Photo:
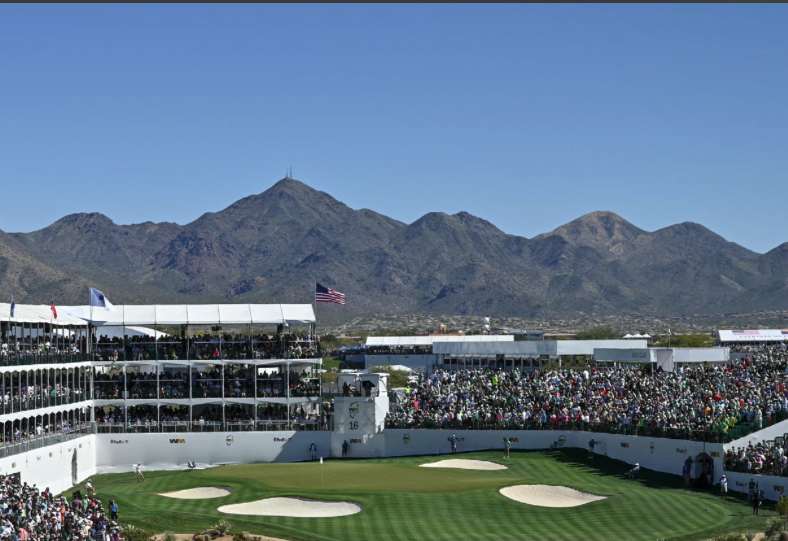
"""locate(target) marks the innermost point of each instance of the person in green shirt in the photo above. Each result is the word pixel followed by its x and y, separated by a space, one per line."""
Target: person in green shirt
pixel 507 446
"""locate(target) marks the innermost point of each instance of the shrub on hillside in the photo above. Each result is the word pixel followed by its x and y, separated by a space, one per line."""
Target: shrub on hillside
pixel 246 536
pixel 129 532
pixel 224 527
pixel 730 537
pixel 774 527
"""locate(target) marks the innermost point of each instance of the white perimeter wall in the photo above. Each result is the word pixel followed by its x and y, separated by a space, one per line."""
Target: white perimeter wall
pixel 657 454
pixel 53 466
pixel 117 453
pixel 770 485
pixel 106 453
pixel 411 361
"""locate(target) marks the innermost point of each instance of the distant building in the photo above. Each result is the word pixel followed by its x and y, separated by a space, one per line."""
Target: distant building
pixel 527 334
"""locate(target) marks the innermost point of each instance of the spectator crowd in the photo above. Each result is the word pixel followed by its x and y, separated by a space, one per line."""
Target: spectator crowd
pixel 718 403
pixel 26 513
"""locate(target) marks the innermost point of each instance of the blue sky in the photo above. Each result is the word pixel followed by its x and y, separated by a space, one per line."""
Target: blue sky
pixel 528 116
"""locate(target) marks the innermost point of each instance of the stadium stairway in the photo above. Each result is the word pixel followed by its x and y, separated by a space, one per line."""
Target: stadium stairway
pixel 770 433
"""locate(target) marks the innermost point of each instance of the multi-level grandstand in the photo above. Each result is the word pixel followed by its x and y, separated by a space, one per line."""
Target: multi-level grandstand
pixel 166 385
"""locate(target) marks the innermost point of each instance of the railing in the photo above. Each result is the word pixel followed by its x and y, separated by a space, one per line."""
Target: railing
pixel 697 434
pixel 21 359
pixel 207 426
pixel 36 442
pixel 34 402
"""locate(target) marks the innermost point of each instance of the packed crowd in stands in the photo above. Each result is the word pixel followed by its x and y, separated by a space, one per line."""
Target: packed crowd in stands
pixel 238 383
pixel 45 346
pixel 717 403
pixel 764 458
pixel 206 347
pixel 26 431
pixel 208 417
pixel 38 396
pixel 27 513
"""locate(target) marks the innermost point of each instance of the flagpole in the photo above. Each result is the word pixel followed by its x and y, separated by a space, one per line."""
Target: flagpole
pixel 314 304
pixel 89 345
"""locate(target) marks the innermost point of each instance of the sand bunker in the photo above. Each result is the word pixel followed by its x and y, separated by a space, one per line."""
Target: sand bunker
pixel 464 464
pixel 549 496
pixel 292 507
pixel 200 493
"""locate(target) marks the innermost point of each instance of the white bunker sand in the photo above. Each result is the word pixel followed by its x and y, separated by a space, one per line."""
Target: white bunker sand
pixel 549 496
pixel 292 507
pixel 200 493
pixel 465 464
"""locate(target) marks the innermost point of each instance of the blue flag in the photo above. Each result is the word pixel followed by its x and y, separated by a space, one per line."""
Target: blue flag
pixel 13 305
pixel 97 298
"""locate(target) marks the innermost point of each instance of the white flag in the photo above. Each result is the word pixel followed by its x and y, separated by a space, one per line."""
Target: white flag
pixel 97 298
pixel 321 459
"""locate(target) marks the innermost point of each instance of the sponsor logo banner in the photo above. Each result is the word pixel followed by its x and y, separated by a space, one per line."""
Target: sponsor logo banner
pixel 281 440
pixel 356 440
pixel 680 450
pixel 625 444
pixel 230 439
pixel 406 438
pixel 353 409
pixel 117 442
pixel 177 440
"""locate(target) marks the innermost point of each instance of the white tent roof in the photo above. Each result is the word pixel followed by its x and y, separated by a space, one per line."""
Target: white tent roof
pixel 37 313
pixel 195 314
pixel 545 347
pixel 130 330
pixel 394 341
pixel 627 336
pixel 754 335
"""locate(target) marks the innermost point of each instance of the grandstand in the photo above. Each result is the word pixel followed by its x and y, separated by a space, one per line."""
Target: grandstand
pixel 168 385
pixel 414 352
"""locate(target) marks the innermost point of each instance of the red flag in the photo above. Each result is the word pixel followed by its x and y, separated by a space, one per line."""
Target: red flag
pixel 54 312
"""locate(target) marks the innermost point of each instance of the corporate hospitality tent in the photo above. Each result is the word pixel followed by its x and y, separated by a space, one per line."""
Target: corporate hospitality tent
pixel 753 335
pixel 195 314
pixel 38 314
pixel 666 358
pixel 411 341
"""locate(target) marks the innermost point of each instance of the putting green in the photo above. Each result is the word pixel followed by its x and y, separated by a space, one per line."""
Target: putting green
pixel 401 501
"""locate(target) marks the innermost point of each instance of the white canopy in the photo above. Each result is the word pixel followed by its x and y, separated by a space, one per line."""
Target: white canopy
pixel 118 332
pixel 754 335
pixel 36 313
pixel 395 341
pixel 195 314
pixel 545 347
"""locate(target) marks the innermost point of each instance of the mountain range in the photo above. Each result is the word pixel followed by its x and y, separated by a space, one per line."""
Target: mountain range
pixel 272 247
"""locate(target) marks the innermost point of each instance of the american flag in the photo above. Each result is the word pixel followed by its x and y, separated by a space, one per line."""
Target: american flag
pixel 324 294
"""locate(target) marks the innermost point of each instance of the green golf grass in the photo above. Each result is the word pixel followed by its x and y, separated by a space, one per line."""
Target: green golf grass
pixel 403 502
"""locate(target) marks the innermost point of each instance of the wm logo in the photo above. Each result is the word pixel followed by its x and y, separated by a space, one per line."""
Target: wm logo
pixel 356 441
pixel 177 441
pixel 624 444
